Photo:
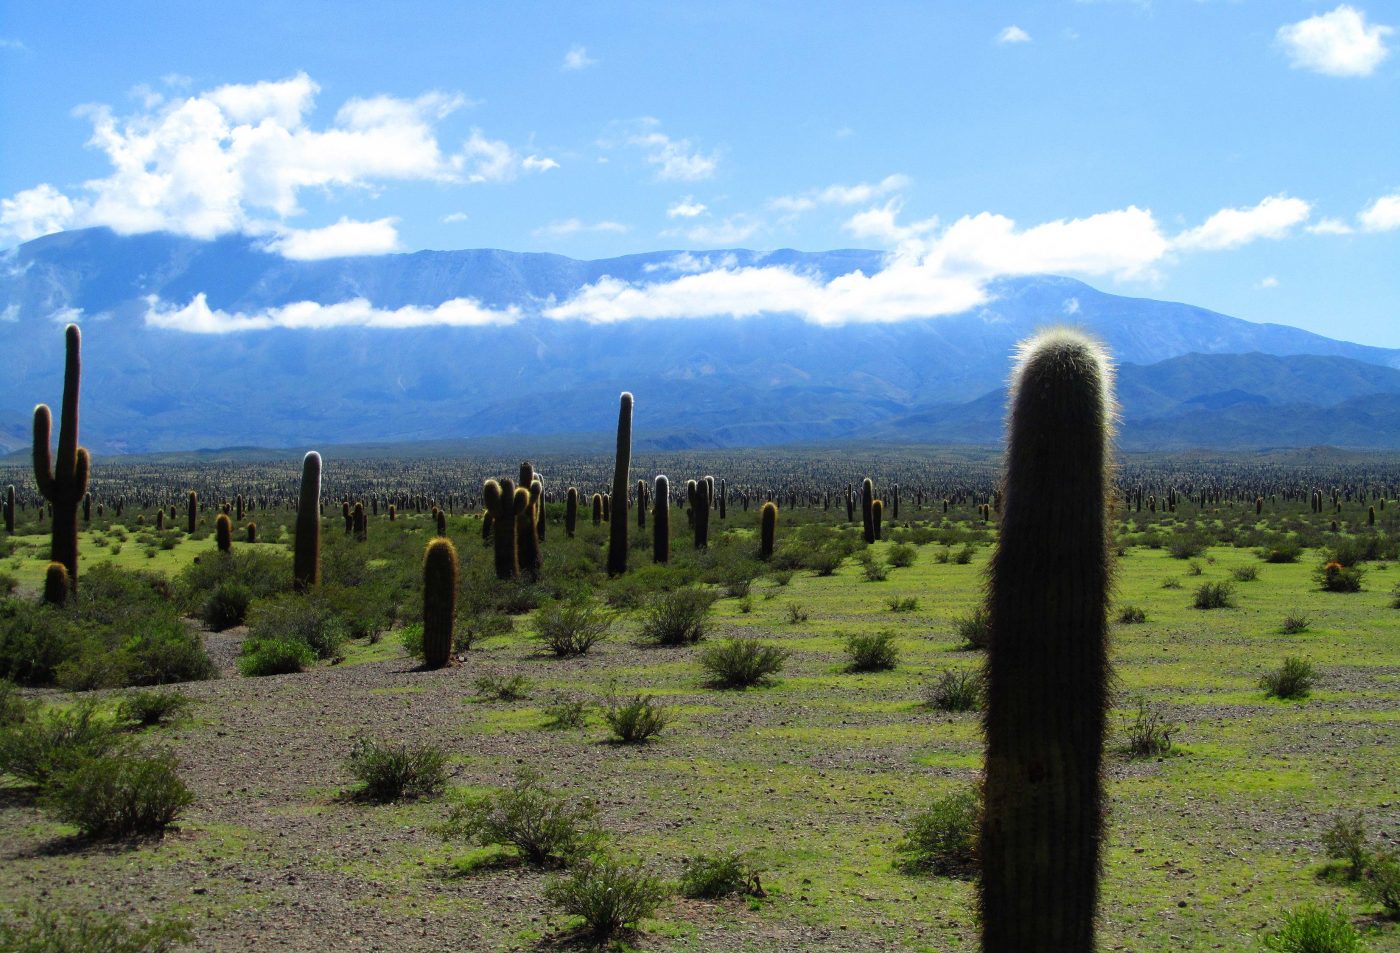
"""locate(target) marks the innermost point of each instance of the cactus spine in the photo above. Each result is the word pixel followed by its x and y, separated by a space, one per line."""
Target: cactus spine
pixel 1047 665
pixel 439 601
pixel 622 463
pixel 63 481
pixel 571 511
pixel 306 553
pixel 661 521
pixel 223 533
pixel 768 529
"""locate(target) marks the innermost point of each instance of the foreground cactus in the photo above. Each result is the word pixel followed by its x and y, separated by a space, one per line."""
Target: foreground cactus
pixel 661 521
pixel 571 511
pixel 56 584
pixel 622 462
pixel 439 602
pixel 63 481
pixel 867 503
pixel 223 533
pixel 527 540
pixel 1047 663
pixel 698 493
pixel 504 502
pixel 768 529
pixel 306 553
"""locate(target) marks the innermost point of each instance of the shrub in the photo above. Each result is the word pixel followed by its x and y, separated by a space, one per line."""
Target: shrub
pixel 741 663
pixel 906 604
pixel 797 613
pixel 964 555
pixel 872 652
pixel 1150 734
pixel 227 606
pixel 45 930
pixel 543 825
pixel 956 689
pixel 1346 840
pixel 1336 577
pixel 1132 615
pixel 713 876
pixel 607 894
pixel 901 555
pixel 1382 882
pixel 392 771
pixel 115 796
pixel 1313 929
pixel 636 719
pixel 974 629
pixel 505 688
pixel 1283 551
pixel 566 713
pixel 1171 583
pixel 1193 568
pixel 1245 573
pixel 274 656
pixel 47 745
pixel 304 618
pixel 781 577
pixel 1185 546
pixel 143 709
pixel 942 839
pixel 1293 679
pixel 824 561
pixel 1295 622
pixel 571 627
pixel 875 571
pixel 679 617
pixel 15 709
pixel 1214 595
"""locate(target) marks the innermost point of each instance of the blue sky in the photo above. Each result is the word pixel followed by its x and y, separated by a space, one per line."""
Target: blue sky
pixel 1242 156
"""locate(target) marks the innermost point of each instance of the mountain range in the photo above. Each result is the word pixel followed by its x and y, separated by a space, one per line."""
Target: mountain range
pixel 1188 377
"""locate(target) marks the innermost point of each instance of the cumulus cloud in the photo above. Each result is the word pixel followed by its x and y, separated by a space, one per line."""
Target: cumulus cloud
pixel 686 208
pixel 454 217
pixel 839 194
pixel 1268 281
pixel 1274 217
pixel 687 263
pixel 577 58
pixel 731 231
pixel 1382 215
pixel 1329 226
pixel 1339 43
pixel 346 237
pixel 1013 34
pixel 198 318
pixel 573 226
pixel 34 212
pixel 226 159
pixel 676 160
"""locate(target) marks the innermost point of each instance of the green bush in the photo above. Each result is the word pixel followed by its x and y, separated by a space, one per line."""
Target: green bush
pixel 1214 595
pixel 1294 623
pixel 679 617
pixel 43 929
pixel 1346 840
pixel 636 719
pixel 975 629
pixel 1381 884
pixel 143 709
pixel 123 795
pixel 15 709
pixel 261 571
pixel 1150 734
pixel 1281 551
pixel 227 606
pixel 713 876
pixel 904 604
pixel 942 839
pixel 956 690
pixel 901 555
pixel 1337 577
pixel 874 652
pixel 1293 679
pixel 571 627
pixel 392 771
pixel 741 663
pixel 607 894
pixel 544 826
pixel 307 619
pixel 1245 573
pixel 1314 929
pixel 797 613
pixel 505 688
pixel 55 741
pixel 566 713
pixel 1132 615
pixel 274 656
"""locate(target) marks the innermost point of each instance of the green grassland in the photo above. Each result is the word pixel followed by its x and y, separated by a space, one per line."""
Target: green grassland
pixel 813 777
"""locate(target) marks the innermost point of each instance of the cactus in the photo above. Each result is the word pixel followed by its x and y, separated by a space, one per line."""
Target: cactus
pixel 361 521
pixel 622 463
pixel 768 529
pixel 698 492
pixel 877 514
pixel 63 481
pixel 661 521
pixel 252 532
pixel 441 523
pixel 223 533
pixel 641 504
pixel 238 507
pixel 1047 666
pixel 439 602
pixel 504 503
pixel 597 509
pixel 607 507
pixel 192 512
pixel 571 511
pixel 10 509
pixel 527 542
pixel 306 553
pixel 160 520
pixel 867 500
pixel 723 499
pixel 57 585
pixel 393 513
pixel 540 521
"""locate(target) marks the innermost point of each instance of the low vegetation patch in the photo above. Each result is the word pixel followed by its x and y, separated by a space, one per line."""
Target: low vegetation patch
pixel 119 795
pixel 714 876
pixel 942 838
pixel 145 708
pixel 1314 929
pixel 635 719
pixel 572 627
pixel 679 617
pixel 956 689
pixel 544 826
pixel 42 929
pixel 394 771
pixel 873 652
pixel 1293 679
pixel 608 895
pixel 742 663
pixel 1214 595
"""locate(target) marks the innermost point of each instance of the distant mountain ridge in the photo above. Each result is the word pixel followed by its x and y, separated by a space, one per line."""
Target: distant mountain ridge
pixel 1189 376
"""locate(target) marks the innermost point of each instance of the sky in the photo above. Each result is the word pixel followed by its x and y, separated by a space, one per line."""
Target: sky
pixel 1241 156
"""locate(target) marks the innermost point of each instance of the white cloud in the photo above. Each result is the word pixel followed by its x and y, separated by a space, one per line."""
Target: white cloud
pixel 198 318
pixel 687 263
pixel 226 159
pixel 34 212
pixel 9 43
pixel 686 208
pixel 573 226
pixel 1340 43
pixel 453 217
pixel 1233 227
pixel 577 58
pixel 881 223
pixel 731 231
pixel 1268 281
pixel 676 159
pixel 346 237
pixel 839 195
pixel 1329 226
pixel 1013 34
pixel 1382 215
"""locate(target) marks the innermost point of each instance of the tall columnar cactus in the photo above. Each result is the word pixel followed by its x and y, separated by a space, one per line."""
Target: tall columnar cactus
pixel 192 512
pixel 607 507
pixel 10 509
pixel 238 507
pixel 527 541
pixel 1047 666
pixel 252 532
pixel 850 504
pixel 597 509
pixel 504 502
pixel 867 499
pixel 699 493
pixel 723 499
pixel 768 529
pixel 63 480
pixel 622 463
pixel 571 511
pixel 440 522
pixel 439 601
pixel 540 520
pixel 223 533
pixel 641 504
pixel 393 512
pixel 160 520
pixel 877 515
pixel 57 585
pixel 361 521
pixel 894 502
pixel 306 552
pixel 661 521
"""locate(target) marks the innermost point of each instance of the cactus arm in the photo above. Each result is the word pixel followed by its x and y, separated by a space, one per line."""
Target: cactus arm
pixel 43 463
pixel 80 472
